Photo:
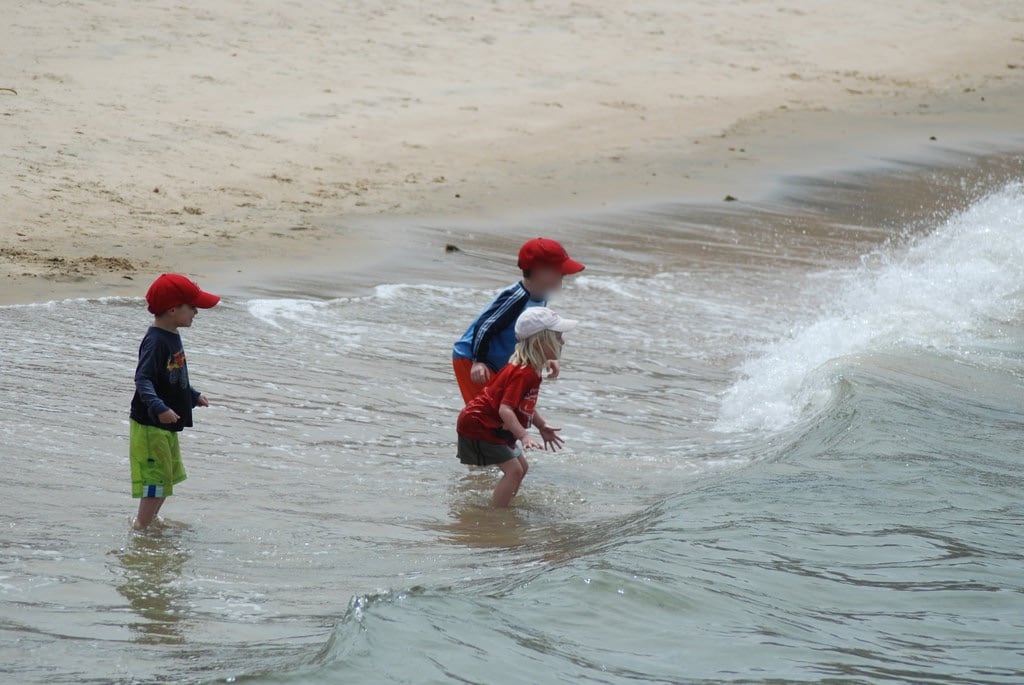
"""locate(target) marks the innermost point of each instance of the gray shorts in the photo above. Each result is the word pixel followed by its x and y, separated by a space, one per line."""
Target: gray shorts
pixel 481 453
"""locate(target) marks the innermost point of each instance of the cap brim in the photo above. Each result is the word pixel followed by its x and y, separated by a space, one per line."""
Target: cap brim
pixel 564 325
pixel 205 300
pixel 571 266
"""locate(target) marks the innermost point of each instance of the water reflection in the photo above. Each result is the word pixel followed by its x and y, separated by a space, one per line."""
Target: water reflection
pixel 151 568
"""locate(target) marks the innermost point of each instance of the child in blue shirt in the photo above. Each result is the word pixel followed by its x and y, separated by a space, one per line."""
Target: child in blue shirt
pixel 485 347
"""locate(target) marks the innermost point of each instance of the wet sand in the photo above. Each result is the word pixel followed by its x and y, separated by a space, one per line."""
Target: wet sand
pixel 251 139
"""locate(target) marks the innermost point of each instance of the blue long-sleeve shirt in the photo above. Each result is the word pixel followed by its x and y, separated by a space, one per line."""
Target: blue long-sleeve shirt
pixel 161 381
pixel 492 337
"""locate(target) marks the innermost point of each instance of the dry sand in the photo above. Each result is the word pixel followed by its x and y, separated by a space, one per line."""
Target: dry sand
pixel 157 136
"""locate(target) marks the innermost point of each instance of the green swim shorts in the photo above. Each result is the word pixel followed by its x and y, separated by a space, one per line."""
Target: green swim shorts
pixel 156 461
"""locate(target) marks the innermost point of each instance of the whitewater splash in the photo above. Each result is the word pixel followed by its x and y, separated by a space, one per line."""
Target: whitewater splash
pixel 942 291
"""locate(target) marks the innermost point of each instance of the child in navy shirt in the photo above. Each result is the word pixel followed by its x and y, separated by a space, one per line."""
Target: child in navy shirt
pixel 164 397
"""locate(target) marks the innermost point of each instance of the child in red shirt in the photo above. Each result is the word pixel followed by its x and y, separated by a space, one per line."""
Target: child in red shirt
pixel 503 412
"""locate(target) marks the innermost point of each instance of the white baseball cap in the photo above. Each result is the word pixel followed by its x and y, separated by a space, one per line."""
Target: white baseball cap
pixel 533 320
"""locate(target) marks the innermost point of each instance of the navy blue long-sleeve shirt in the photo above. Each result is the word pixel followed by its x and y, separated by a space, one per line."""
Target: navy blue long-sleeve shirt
pixel 161 381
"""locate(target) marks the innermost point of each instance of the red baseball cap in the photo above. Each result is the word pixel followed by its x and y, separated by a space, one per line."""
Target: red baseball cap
pixel 547 252
pixel 173 290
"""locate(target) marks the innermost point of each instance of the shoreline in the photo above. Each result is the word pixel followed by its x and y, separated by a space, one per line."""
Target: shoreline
pixel 197 183
pixel 360 247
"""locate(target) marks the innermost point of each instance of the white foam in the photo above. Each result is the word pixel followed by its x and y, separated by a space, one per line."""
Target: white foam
pixel 940 291
pixel 616 286
pixel 392 291
pixel 272 311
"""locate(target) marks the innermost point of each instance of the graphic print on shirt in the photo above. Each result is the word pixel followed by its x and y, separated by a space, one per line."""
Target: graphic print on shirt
pixel 176 369
pixel 527 406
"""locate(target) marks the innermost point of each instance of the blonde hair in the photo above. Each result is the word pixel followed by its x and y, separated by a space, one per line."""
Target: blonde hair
pixel 530 352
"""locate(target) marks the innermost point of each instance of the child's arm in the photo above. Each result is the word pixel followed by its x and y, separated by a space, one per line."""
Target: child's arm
pixel 512 425
pixel 548 434
pixel 144 375
pixel 500 315
pixel 198 398
pixel 156 406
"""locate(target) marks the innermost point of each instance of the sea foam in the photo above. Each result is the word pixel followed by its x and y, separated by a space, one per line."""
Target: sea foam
pixel 939 291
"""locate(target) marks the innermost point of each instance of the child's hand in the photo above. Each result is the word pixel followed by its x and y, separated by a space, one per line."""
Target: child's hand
pixel 202 401
pixel 551 438
pixel 169 416
pixel 530 444
pixel 553 368
pixel 480 373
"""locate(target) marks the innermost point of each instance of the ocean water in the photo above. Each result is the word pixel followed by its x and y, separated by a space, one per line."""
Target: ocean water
pixel 793 440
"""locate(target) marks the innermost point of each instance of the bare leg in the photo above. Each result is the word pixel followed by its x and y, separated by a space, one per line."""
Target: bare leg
pixel 509 483
pixel 526 467
pixel 149 507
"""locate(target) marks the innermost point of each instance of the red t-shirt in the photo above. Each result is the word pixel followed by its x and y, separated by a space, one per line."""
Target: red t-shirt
pixel 516 386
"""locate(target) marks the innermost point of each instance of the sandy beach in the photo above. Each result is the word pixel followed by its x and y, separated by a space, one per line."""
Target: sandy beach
pixel 220 141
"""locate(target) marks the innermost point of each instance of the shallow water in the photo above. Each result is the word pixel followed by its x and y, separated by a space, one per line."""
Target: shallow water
pixel 792 431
